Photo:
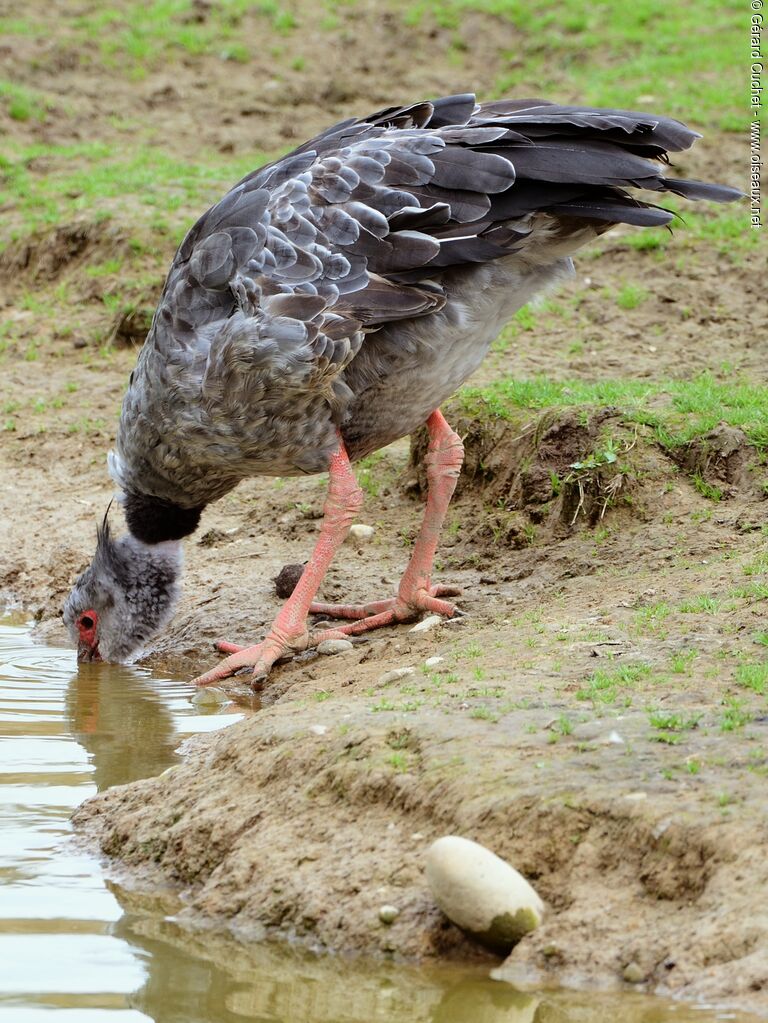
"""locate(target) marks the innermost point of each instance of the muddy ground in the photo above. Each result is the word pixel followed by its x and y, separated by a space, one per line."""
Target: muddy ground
pixel 599 716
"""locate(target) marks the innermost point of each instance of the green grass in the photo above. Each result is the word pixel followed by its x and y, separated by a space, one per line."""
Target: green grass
pixel 102 181
pixel 135 37
pixel 631 296
pixel 669 721
pixel 734 716
pixel 24 104
pixel 644 55
pixel 753 675
pixel 703 604
pixel 604 686
pixel 675 410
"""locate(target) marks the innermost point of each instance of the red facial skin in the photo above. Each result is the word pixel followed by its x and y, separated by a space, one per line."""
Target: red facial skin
pixel 88 644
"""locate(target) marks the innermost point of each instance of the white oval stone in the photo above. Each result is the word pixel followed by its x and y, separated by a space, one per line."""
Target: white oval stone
pixel 432 662
pixel 360 534
pixel 334 646
pixel 388 914
pixel 481 893
pixel 430 622
pixel 395 674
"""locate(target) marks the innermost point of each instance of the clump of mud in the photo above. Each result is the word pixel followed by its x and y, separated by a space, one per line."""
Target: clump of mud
pixel 541 478
pixel 48 253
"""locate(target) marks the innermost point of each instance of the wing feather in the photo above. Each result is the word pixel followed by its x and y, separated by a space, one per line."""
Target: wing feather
pixel 354 228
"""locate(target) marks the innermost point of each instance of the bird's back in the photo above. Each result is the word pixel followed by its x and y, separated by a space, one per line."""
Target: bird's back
pixel 356 282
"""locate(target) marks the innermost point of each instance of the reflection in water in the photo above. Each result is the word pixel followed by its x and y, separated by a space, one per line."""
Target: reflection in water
pixel 118 718
pixel 75 949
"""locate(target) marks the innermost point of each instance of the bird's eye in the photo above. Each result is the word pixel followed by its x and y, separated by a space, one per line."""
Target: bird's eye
pixel 87 622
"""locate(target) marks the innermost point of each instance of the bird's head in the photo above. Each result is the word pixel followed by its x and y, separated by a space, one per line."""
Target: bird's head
pixel 124 597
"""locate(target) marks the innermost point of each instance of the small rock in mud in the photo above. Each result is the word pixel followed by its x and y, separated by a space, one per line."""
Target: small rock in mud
pixel 360 534
pixel 286 579
pixel 481 893
pixel 394 675
pixel 633 974
pixel 334 646
pixel 388 914
pixel 430 622
pixel 432 662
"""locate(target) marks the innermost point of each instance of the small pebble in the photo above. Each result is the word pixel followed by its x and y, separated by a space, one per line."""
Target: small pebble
pixel 432 662
pixel 360 534
pixel 388 914
pixel 613 738
pixel 334 646
pixel 633 974
pixel 394 675
pixel 209 697
pixel 318 729
pixel 427 623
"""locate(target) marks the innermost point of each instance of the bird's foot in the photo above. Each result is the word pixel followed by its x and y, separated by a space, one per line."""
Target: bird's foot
pixel 260 657
pixel 402 608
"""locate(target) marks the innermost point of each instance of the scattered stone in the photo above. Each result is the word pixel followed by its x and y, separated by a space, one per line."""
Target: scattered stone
pixel 209 697
pixel 636 796
pixel 335 646
pixel 614 739
pixel 552 951
pixel 394 675
pixel 427 623
pixel 388 914
pixel 213 538
pixel 286 579
pixel 633 974
pixel 318 729
pixel 432 662
pixel 360 534
pixel 481 893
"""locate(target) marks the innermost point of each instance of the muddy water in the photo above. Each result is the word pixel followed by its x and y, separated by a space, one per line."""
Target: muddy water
pixel 77 948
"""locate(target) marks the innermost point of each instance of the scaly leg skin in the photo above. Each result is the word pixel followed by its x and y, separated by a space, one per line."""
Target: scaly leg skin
pixel 415 593
pixel 288 634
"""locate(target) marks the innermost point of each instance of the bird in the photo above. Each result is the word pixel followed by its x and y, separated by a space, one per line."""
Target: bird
pixel 327 306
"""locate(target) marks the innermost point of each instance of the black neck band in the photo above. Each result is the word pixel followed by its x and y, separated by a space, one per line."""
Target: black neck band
pixel 153 520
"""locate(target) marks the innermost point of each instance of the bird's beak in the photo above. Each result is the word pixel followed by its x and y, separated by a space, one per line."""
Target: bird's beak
pixel 85 652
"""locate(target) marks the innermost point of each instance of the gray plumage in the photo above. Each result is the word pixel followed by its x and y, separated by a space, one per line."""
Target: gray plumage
pixel 354 284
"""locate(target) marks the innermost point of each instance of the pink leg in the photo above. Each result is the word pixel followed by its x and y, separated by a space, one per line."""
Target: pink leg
pixel 289 630
pixel 416 593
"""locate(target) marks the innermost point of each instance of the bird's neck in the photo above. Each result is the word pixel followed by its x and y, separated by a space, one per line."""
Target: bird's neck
pixel 153 521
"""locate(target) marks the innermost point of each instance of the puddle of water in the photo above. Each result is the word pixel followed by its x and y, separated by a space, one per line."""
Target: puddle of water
pixel 76 948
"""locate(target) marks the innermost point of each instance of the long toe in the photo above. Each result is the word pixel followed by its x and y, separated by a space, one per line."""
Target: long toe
pixel 260 657
pixel 387 612
pixel 242 657
pixel 352 611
